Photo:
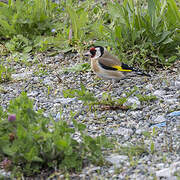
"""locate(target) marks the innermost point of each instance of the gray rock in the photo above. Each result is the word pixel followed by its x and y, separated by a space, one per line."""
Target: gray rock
pixel 177 84
pixel 4 174
pixel 64 100
pixel 160 165
pixel 159 119
pixel 33 93
pixel 171 101
pixel 47 81
pixel 36 79
pixel 168 172
pixel 159 93
pixel 149 87
pixel 116 159
pixel 22 76
pixel 93 169
pixel 133 101
pixel 58 116
pixel 123 131
pixel 173 178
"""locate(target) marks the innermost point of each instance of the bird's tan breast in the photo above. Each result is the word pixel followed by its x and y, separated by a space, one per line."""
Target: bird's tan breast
pixel 94 66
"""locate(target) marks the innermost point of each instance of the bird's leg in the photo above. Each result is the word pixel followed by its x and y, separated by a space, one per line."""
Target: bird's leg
pixel 109 86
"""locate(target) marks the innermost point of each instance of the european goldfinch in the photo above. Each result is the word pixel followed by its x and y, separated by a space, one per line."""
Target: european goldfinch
pixel 109 67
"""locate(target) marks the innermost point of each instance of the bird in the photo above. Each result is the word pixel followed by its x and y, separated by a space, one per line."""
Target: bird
pixel 109 67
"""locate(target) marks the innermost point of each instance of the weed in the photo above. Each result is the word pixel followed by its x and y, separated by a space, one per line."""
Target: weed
pixel 32 142
pixel 146 97
pixel 82 94
pixel 145 34
pixel 84 20
pixel 5 73
pixel 150 136
pixel 24 23
pixel 19 43
pixel 133 150
pixel 78 68
pixel 41 70
pixel 106 102
pixel 26 17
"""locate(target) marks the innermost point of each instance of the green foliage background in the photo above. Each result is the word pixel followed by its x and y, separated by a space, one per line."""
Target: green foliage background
pixel 145 33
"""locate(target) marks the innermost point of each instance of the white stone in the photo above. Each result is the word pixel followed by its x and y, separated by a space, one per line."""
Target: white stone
pixel 159 119
pixel 139 131
pixel 64 100
pixel 58 116
pixel 116 159
pixel 133 100
pixel 123 131
pixel 171 101
pixel 33 93
pixel 177 84
pixel 149 87
pixel 168 172
pixel 21 75
pixel 160 165
pixel 159 93
pixel 47 81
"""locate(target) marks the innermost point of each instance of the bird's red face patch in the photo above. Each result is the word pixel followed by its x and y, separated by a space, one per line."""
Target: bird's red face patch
pixel 92 49
pixel 93 52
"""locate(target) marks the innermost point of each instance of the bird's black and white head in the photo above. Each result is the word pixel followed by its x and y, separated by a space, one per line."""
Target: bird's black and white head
pixel 95 52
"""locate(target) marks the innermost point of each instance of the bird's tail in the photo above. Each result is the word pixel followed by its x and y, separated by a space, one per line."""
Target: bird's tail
pixel 136 71
pixel 139 72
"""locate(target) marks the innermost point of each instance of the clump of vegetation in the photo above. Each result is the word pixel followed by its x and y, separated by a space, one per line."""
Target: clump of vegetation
pixel 146 98
pixel 146 34
pixel 82 94
pixel 107 101
pixel 142 33
pixel 5 73
pixel 78 68
pixel 27 18
pixel 30 142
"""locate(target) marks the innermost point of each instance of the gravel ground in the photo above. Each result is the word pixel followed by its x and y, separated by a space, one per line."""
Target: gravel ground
pixel 128 127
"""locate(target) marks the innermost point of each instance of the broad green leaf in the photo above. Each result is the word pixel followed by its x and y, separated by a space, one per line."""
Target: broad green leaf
pixel 8 150
pixel 74 20
pixel 27 49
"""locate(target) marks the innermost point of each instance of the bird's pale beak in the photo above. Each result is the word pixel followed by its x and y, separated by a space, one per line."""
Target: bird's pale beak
pixel 87 54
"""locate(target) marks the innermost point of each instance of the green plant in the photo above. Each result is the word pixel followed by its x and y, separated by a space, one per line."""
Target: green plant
pixel 19 43
pixel 150 136
pixel 144 33
pixel 26 17
pixel 84 22
pixel 107 100
pixel 5 73
pixel 133 150
pixel 41 70
pixel 32 142
pixel 146 97
pixel 82 94
pixel 78 68
pixel 24 23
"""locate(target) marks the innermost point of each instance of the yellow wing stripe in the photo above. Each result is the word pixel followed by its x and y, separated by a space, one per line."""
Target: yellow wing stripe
pixel 119 68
